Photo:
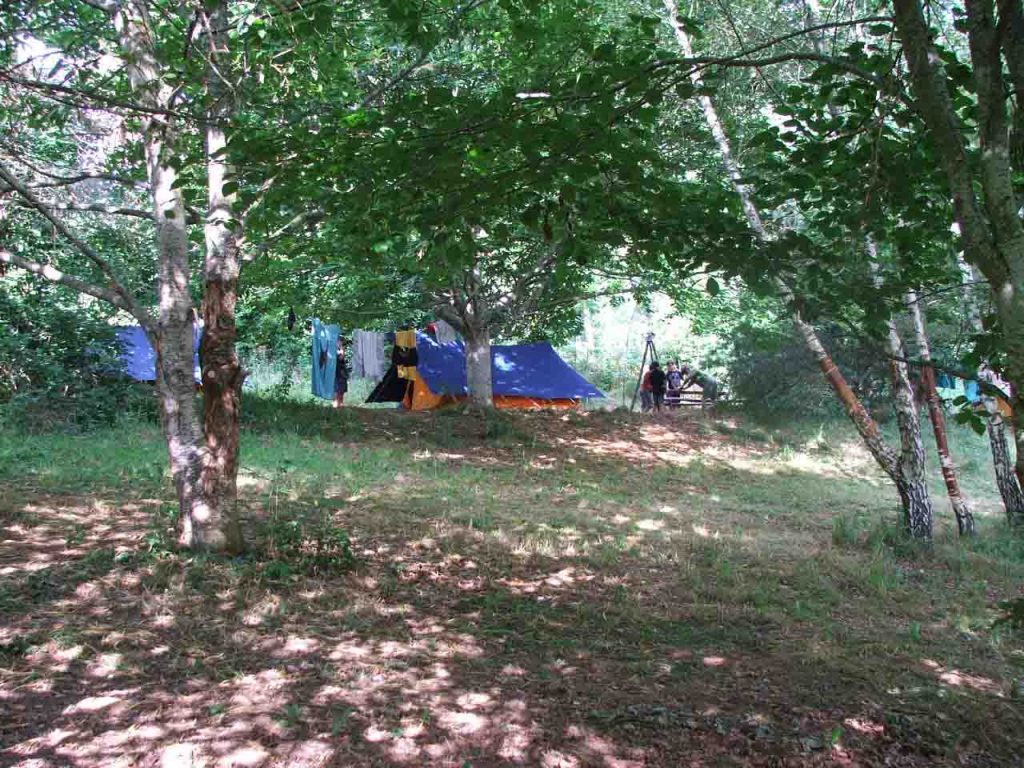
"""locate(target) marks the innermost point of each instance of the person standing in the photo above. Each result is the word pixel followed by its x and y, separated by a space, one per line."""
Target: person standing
pixel 341 372
pixel 673 385
pixel 646 396
pixel 658 382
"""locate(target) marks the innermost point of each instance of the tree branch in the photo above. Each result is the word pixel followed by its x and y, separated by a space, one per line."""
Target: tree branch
pixel 1011 32
pixel 127 300
pixel 54 275
pixel 305 217
pixel 66 181
pixel 936 107
pixel 816 28
pixel 91 99
pixel 444 309
pixel 112 210
pixel 424 55
pixel 16 155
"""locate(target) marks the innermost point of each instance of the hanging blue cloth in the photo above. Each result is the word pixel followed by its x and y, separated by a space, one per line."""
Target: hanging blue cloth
pixel 971 390
pixel 325 358
pixel 945 381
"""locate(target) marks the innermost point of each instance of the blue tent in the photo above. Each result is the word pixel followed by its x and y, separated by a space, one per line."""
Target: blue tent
pixel 517 370
pixel 138 358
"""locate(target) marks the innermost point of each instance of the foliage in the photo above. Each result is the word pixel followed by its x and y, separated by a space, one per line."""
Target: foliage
pixel 293 542
pixel 772 375
pixel 58 361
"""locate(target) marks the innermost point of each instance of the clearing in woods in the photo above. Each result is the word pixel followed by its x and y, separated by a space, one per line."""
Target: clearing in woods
pixel 535 589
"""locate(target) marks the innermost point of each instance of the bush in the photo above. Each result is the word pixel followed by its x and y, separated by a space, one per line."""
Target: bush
pixel 79 409
pixel 772 373
pixel 56 360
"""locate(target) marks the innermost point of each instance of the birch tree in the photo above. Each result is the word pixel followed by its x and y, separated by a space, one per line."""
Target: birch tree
pixel 905 469
pixel 161 112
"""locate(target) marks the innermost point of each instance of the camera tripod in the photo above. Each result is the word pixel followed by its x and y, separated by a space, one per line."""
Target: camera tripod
pixel 652 351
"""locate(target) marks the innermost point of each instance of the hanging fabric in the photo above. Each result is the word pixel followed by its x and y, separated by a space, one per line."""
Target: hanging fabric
pixel 971 390
pixel 404 355
pixel 368 360
pixel 324 358
pixel 444 333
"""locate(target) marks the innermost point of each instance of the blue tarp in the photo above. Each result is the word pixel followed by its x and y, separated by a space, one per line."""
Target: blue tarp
pixel 138 358
pixel 325 358
pixel 524 370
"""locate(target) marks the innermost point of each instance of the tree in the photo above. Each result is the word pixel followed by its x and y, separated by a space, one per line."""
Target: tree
pixel 163 100
pixel 509 170
pixel 980 156
pixel 964 518
pixel 1006 478
pixel 905 469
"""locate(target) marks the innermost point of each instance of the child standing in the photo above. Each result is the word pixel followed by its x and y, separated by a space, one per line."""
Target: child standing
pixel 340 376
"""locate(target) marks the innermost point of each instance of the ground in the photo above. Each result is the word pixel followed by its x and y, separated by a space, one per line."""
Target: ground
pixel 535 589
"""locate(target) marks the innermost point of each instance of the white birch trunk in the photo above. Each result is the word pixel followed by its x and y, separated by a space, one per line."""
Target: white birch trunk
pixel 1002 461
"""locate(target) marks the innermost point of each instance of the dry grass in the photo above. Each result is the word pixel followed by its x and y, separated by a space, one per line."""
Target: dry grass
pixel 541 590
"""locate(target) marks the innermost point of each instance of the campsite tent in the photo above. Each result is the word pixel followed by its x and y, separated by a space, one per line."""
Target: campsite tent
pixel 138 358
pixel 523 376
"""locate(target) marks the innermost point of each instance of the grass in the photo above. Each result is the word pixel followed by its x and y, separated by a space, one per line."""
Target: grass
pixel 541 589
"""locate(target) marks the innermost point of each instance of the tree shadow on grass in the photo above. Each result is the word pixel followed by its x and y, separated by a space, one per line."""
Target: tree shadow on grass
pixel 609 593
pixel 451 645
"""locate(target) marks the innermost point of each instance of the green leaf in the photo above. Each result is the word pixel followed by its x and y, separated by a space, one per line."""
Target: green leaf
pixel 604 52
pixel 684 90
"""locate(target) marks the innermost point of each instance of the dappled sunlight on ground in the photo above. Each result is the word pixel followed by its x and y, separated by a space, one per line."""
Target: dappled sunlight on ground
pixel 42 536
pixel 955 678
pixel 596 590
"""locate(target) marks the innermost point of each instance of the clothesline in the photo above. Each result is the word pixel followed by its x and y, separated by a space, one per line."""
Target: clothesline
pixel 368 357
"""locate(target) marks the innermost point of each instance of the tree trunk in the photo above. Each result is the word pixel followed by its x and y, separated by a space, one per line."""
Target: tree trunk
pixel 964 519
pixel 173 338
pixel 866 426
pixel 476 316
pixel 1006 479
pixel 175 383
pixel 478 367
pixel 910 479
pixel 222 374
pixel 1014 370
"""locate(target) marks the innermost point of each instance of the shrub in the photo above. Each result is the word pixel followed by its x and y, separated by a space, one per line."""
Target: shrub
pixel 56 363
pixel 772 374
